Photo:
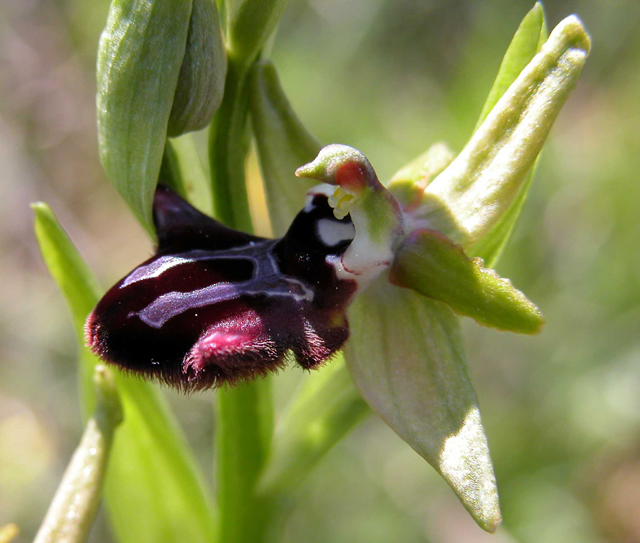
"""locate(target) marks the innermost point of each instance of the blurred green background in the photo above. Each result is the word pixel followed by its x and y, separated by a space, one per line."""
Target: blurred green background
pixel 562 410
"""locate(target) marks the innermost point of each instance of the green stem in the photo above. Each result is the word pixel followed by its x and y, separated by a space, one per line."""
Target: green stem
pixel 243 435
pixel 228 147
pixel 245 412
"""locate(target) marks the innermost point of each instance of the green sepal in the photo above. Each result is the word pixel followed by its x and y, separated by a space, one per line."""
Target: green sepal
pixel 202 75
pixel 152 470
pixel 139 59
pixel 75 504
pixel 481 184
pixel 406 357
pixel 430 264
pixel 284 144
pixel 322 411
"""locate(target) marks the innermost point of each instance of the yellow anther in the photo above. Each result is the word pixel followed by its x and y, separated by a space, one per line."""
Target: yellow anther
pixel 341 201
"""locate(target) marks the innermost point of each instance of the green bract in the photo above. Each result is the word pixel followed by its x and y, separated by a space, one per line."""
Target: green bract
pixel 202 74
pixel 283 144
pixel 76 502
pixel 161 70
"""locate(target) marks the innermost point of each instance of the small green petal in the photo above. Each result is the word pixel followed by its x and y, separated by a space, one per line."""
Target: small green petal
pixel 484 179
pixel 406 357
pixel 74 507
pixel 283 145
pixel 422 170
pixel 432 265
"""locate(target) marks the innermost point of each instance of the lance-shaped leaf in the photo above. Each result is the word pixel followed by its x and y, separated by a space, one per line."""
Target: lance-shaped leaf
pixel 406 357
pixel 154 489
pixel 139 59
pixel 284 145
pixel 202 75
pixel 432 265
pixel 484 179
pixel 74 507
pixel 323 410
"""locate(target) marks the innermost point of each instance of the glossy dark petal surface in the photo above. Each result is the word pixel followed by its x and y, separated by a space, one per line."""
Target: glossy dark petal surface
pixel 217 306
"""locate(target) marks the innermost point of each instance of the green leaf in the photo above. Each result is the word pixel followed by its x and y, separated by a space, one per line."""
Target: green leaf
pixel 481 184
pixel 430 264
pixel 320 414
pixel 284 145
pixel 74 507
pixel 154 489
pixel 139 59
pixel 202 75
pixel 182 170
pixel 406 357
pixel 249 25
pixel 526 42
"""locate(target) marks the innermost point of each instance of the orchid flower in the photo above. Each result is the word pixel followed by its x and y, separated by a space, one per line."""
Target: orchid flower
pixel 367 273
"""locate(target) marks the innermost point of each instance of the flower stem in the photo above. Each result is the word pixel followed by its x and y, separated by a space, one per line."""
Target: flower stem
pixel 228 147
pixel 244 412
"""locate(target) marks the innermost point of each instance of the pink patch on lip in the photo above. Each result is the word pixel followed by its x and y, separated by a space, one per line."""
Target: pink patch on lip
pixel 351 176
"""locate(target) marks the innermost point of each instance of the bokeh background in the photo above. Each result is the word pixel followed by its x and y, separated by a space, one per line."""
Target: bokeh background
pixel 390 77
